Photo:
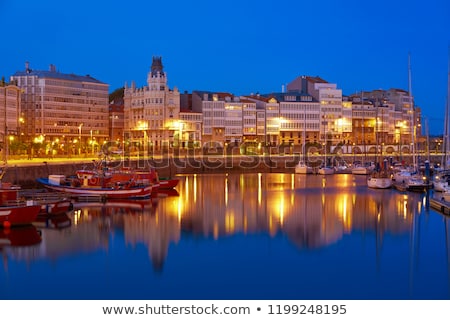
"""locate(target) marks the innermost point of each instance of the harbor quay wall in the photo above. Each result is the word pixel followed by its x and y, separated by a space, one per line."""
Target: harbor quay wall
pixel 25 173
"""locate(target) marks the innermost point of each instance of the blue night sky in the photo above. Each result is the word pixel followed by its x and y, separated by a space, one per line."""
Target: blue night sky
pixel 238 46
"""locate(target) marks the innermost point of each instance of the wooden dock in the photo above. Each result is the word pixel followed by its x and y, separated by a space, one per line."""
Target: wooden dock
pixel 440 205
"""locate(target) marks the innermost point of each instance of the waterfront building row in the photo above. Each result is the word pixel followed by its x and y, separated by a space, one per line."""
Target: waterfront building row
pixel 71 114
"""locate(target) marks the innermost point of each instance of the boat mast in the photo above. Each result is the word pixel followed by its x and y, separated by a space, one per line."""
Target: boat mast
pixel 413 126
pixel 304 134
pixel 446 138
pixel 363 133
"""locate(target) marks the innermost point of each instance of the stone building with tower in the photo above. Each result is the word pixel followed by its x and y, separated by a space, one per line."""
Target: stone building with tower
pixel 151 113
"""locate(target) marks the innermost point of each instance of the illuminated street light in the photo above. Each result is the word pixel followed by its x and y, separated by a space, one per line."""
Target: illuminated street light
pixel 79 137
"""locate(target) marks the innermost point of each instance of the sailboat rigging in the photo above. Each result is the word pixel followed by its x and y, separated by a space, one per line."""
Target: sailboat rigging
pixel 411 179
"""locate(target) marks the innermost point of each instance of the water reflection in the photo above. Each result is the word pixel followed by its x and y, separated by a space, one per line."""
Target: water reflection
pixel 311 213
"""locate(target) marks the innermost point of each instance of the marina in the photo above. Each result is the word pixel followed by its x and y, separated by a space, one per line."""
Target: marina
pixel 238 236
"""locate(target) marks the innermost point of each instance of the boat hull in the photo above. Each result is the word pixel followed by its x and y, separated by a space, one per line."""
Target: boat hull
pixel 167 184
pixel 326 171
pixel 56 207
pixel 136 192
pixel 20 215
pixel 303 170
pixel 379 183
pixel 361 171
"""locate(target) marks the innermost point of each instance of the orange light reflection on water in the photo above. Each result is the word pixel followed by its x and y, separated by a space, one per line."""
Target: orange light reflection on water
pixel 224 204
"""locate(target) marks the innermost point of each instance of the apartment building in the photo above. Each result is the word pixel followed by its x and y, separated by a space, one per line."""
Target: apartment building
pixel 332 121
pixel 10 120
pixel 62 113
pixel 297 120
pixel 190 129
pixel 151 112
pixel 227 119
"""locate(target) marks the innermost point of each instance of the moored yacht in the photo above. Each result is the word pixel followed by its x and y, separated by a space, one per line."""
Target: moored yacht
pixel 379 181
pixel 326 170
pixel 303 168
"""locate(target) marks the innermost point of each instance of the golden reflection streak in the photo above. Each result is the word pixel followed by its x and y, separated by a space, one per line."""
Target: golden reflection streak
pixel 342 210
pixel 229 223
pixel 245 224
pixel 405 207
pixel 186 187
pixel 216 230
pixel 179 207
pixel 226 190
pixel 424 203
pixel 281 211
pixel 292 181
pixel 195 188
pixel 76 216
pixel 259 188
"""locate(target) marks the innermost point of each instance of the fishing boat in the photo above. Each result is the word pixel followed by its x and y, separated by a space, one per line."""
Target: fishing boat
pixel 166 183
pixel 104 175
pixel 52 203
pixel 18 214
pixel 13 211
pixel 118 190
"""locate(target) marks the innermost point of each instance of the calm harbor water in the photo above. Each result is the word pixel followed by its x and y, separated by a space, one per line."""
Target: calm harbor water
pixel 237 236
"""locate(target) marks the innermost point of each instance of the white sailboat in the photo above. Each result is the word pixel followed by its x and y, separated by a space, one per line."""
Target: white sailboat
pixel 380 178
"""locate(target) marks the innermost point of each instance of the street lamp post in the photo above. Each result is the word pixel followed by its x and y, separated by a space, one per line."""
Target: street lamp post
pixel 5 142
pixel 79 138
pixel 92 143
